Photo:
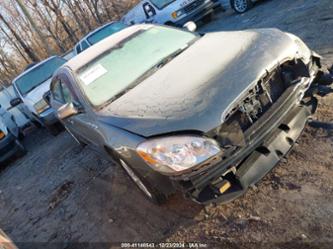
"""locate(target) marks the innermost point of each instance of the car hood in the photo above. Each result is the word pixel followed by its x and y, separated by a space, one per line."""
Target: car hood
pixel 37 94
pixel 196 89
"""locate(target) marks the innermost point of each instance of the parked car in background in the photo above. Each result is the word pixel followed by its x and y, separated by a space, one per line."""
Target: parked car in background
pixel 241 6
pixel 30 86
pixel 69 55
pixel 98 35
pixel 208 114
pixel 170 12
pixel 6 95
pixel 9 137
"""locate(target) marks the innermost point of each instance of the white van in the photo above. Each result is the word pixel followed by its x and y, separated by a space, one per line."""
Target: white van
pixel 170 12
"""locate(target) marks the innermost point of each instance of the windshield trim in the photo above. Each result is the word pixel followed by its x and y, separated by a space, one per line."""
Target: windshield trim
pixel 136 82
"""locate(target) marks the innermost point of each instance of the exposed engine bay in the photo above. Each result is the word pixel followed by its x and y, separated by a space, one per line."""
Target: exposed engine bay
pixel 258 132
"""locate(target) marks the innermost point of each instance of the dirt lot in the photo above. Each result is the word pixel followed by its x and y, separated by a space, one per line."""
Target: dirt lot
pixel 60 192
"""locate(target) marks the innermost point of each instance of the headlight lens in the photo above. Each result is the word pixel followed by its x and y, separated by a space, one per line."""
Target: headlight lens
pixel 178 153
pixel 41 106
pixel 177 13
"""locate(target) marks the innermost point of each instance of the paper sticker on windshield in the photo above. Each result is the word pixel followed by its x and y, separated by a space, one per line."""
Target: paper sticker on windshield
pixel 93 74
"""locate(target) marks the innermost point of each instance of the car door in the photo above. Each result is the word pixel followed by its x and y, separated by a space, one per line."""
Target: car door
pixel 81 125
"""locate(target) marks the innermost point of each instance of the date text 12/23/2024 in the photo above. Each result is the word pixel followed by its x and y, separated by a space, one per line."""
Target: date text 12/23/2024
pixel 164 245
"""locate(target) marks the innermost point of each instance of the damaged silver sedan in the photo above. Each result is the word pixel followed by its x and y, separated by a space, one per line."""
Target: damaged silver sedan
pixel 208 115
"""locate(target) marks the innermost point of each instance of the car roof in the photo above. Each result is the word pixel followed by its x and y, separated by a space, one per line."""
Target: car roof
pixel 93 32
pixel 106 44
pixel 34 66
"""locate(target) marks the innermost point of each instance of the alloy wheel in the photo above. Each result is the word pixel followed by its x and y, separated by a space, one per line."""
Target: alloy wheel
pixel 240 5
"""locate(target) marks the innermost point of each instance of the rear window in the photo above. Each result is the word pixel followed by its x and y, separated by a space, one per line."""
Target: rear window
pixel 105 32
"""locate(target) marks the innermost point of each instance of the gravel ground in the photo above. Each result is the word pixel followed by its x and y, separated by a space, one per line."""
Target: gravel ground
pixel 60 192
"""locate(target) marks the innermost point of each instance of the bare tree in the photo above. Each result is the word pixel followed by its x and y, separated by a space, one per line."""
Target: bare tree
pixel 31 30
pixel 26 48
pixel 73 11
pixel 14 44
pixel 55 7
pixel 35 27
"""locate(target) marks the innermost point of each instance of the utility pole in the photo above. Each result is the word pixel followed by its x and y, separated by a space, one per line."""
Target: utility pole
pixel 49 50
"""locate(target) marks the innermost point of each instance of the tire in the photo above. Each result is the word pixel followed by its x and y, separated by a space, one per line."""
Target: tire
pixel 37 124
pixel 21 151
pixel 55 129
pixel 20 136
pixel 207 18
pixel 150 193
pixel 241 6
pixel 171 24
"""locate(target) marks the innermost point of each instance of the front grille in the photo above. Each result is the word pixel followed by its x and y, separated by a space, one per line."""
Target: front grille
pixel 258 101
pixel 192 6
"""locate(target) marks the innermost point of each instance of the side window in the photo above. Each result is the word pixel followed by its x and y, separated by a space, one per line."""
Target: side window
pixel 78 49
pixel 84 45
pixel 68 98
pixel 149 10
pixel 67 93
pixel 56 91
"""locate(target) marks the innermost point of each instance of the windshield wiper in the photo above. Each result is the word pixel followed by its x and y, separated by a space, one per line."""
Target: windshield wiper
pixel 159 65
pixel 165 60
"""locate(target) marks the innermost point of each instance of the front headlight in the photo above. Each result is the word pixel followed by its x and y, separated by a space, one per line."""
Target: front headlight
pixel 41 106
pixel 177 153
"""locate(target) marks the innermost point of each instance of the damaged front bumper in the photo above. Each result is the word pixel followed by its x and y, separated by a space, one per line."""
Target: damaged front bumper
pixel 224 179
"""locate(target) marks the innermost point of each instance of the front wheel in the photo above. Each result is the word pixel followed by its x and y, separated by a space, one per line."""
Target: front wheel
pixel 55 129
pixel 241 6
pixel 171 24
pixel 207 18
pixel 37 124
pixel 152 194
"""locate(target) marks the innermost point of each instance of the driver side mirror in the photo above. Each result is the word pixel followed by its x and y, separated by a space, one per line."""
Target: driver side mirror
pixel 15 102
pixel 190 26
pixel 66 111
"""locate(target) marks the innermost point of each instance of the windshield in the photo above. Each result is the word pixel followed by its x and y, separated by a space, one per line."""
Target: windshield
pixel 119 68
pixel 105 32
pixel 161 3
pixel 38 75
